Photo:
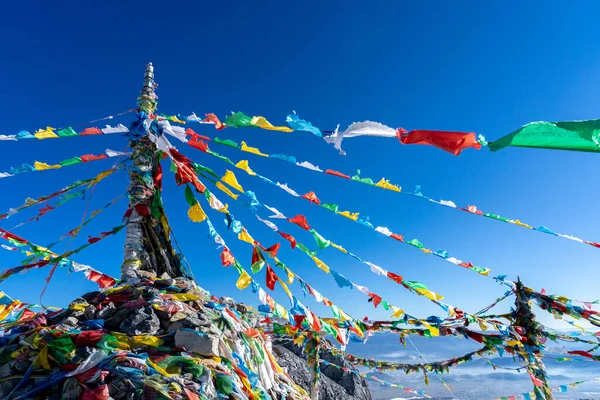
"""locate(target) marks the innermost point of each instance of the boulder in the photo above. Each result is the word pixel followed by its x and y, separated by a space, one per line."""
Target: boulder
pixel 196 342
pixel 140 322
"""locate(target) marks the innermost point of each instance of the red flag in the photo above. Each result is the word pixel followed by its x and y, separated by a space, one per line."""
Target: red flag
pixel 190 132
pixel 158 175
pixel 215 120
pixel 27 314
pixel 106 281
pixel 290 238
pixel 300 220
pixel 375 299
pixel 92 240
pixel 142 209
pixel 332 172
pixel 399 238
pixel 272 251
pixel 44 210
pixel 88 338
pixel 271 278
pixel 91 131
pixel 227 258
pixel 91 157
pixel 326 302
pixel 593 244
pixel 94 276
pixel 312 197
pixel 581 353
pixel 452 142
pixel 316 325
pixel 394 277
pixel 185 171
pixel 199 144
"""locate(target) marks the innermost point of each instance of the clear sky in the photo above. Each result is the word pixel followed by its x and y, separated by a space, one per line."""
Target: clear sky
pixel 450 66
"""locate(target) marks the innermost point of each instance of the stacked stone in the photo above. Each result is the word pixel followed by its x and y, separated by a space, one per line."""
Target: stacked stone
pixel 151 338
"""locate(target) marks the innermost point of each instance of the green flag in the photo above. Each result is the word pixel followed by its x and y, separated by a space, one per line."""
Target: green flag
pixel 238 119
pixel 226 142
pixel 321 241
pixel 567 135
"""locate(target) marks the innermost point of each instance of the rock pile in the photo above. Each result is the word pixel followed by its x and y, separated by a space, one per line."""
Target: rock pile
pixel 151 338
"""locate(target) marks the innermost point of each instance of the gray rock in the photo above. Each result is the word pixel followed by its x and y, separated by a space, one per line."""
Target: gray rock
pixel 71 389
pixel 68 324
pixel 5 370
pixel 205 345
pixel 106 311
pixel 228 301
pixel 334 384
pixel 90 312
pixel 195 320
pixel 141 321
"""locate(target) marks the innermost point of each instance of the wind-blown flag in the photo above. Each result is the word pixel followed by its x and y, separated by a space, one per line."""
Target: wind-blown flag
pixel 566 135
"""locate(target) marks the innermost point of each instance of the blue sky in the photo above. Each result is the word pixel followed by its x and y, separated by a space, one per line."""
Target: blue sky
pixel 470 67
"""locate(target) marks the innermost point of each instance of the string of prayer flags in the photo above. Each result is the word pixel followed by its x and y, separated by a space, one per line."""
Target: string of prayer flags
pixel 342 281
pixel 63 261
pixel 42 166
pixel 559 388
pixel 301 221
pixel 31 202
pixel 386 185
pixel 563 135
pixel 258 261
pixel 54 133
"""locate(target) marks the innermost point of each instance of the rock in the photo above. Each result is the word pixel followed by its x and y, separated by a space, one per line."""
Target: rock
pixel 90 312
pixel 228 301
pixel 141 321
pixel 106 311
pixel 196 320
pixel 205 345
pixel 90 296
pixel 336 385
pixel 243 308
pixel 68 324
pixel 71 389
pixel 162 283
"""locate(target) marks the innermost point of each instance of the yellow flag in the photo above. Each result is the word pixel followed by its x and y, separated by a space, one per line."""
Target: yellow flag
pixel 321 264
pixel 185 296
pixel 261 122
pixel 226 190
pixel 47 133
pixel 517 222
pixel 175 119
pixel 398 312
pixel 348 214
pixel 433 330
pixel 290 275
pixel 146 340
pixel 252 150
pixel 245 236
pixel 196 213
pixel 101 176
pixel 243 165
pixel 482 324
pixel 384 183
pixel 429 294
pixel 340 248
pixel 243 281
pixel 78 306
pixel 42 359
pixel 299 340
pixel 230 179
pixel 40 166
pixel 284 286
